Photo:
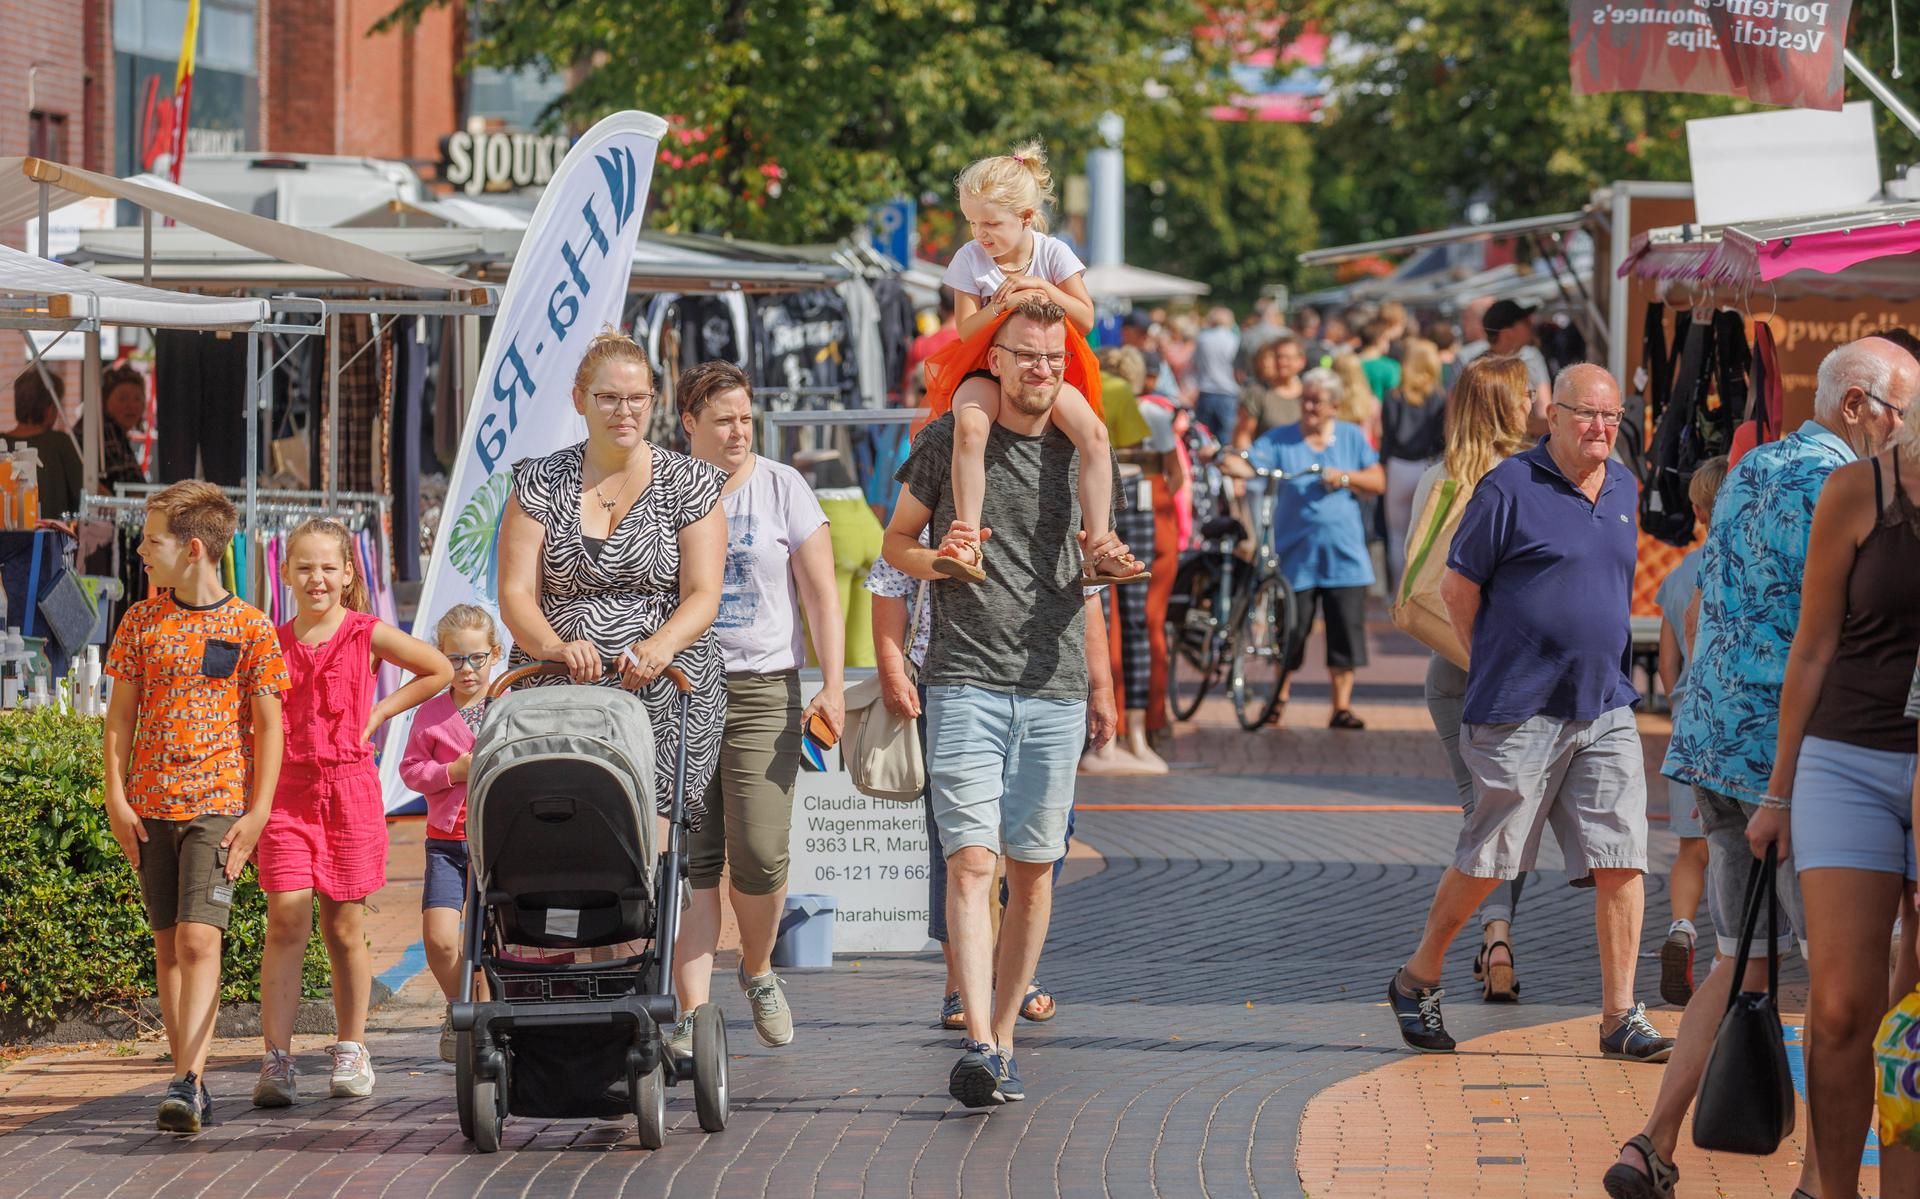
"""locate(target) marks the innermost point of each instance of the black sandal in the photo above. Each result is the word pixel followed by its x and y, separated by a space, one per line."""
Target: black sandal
pixel 1499 983
pixel 1345 719
pixel 1655 1182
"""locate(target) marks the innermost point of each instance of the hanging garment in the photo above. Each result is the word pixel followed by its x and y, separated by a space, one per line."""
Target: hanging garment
pixel 863 333
pixel 200 406
pixel 411 353
pixel 897 330
pixel 1666 512
pixel 1764 409
pixel 360 397
pixel 803 346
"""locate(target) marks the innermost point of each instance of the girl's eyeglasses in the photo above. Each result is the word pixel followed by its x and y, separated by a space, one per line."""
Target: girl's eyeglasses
pixel 470 661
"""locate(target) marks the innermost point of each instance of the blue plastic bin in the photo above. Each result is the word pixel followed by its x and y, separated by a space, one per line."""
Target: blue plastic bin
pixel 805 941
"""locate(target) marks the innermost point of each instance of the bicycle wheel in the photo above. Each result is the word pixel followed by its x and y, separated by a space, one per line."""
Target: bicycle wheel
pixel 1264 636
pixel 1193 642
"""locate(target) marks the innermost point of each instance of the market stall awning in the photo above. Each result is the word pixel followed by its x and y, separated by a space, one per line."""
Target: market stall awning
pixel 1137 283
pixel 65 293
pixel 1868 253
pixel 22 180
pixel 1558 222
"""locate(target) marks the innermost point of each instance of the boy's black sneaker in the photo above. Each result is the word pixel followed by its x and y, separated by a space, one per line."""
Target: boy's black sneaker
pixel 187 1109
pixel 1011 1088
pixel 1419 1015
pixel 975 1078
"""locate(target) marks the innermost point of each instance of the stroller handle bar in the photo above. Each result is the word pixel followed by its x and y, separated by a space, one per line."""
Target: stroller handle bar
pixel 534 670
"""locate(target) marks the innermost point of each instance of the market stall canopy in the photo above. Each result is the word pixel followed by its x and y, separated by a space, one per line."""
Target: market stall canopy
pixel 1871 252
pixel 1137 283
pixel 1557 222
pixel 65 293
pixel 22 181
pixel 448 212
pixel 190 257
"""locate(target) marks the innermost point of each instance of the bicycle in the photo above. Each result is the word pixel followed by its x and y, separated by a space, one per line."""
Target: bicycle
pixel 1234 621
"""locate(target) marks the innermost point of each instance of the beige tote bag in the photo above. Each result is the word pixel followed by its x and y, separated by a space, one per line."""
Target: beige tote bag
pixel 1417 609
pixel 881 750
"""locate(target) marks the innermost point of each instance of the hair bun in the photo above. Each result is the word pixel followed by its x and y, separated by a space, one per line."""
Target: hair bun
pixel 610 334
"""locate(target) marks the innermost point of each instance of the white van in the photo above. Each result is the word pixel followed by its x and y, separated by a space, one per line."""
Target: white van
pixel 311 190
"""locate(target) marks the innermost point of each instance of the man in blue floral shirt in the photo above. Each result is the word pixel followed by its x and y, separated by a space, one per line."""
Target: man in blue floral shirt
pixel 1723 738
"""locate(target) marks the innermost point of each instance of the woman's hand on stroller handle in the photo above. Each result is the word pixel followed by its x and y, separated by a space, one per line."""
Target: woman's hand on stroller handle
pixel 607 666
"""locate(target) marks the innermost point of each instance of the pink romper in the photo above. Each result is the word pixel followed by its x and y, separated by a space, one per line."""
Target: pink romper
pixel 328 831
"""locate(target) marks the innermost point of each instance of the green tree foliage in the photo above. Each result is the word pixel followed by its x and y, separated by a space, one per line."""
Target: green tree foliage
pixel 1442 103
pixel 1227 202
pixel 791 117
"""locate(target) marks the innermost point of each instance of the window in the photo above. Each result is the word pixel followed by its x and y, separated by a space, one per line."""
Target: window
pixel 47 135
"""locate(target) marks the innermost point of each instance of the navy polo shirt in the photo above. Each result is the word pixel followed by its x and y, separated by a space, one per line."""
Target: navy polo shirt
pixel 1556 587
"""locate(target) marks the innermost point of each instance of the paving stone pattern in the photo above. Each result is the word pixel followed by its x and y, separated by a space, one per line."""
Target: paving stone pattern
pixel 1222 969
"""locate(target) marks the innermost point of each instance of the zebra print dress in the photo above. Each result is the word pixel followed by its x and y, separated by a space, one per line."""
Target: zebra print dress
pixel 627 591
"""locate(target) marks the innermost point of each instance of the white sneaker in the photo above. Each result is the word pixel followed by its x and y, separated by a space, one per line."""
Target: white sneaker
pixel 276 1087
pixel 352 1070
pixel 772 1018
pixel 449 1039
pixel 679 1037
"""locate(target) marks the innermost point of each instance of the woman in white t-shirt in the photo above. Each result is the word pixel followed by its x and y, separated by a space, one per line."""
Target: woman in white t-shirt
pixel 779 563
pixel 1010 259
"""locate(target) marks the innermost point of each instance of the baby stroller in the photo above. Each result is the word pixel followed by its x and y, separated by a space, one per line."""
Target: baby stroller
pixel 560 834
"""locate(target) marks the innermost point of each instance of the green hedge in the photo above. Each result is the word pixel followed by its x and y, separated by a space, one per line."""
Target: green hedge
pixel 73 932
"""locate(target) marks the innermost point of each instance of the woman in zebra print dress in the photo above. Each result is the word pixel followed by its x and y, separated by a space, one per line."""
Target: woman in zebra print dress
pixel 614 546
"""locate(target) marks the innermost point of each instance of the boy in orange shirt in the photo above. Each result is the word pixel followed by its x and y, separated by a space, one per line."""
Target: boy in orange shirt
pixel 197 673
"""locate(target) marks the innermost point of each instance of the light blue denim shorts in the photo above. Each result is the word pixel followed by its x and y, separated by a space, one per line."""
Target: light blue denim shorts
pixel 1683 814
pixel 1853 808
pixel 1001 767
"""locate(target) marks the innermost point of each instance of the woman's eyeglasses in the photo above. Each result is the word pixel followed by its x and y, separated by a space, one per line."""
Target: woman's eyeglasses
pixel 610 402
pixel 470 661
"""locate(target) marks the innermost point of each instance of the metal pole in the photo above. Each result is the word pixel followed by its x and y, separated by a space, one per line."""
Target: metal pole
pixel 92 409
pixel 146 247
pixel 1618 239
pixel 44 253
pixel 1882 93
pixel 260 395
pixel 332 481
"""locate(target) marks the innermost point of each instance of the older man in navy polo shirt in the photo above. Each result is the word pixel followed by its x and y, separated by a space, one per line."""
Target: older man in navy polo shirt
pixel 1539 583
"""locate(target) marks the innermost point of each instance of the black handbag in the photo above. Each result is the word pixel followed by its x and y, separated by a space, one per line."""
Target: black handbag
pixel 1745 1104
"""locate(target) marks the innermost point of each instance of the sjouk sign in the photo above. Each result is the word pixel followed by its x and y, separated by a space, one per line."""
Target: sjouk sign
pixel 484 162
pixel 1785 52
pixel 569 281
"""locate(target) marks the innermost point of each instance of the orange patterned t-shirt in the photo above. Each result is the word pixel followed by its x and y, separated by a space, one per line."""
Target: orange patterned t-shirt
pixel 198 670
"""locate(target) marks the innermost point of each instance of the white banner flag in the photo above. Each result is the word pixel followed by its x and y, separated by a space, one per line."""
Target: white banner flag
pixel 569 280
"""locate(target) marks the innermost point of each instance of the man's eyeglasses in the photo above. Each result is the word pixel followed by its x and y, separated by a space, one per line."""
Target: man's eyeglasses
pixel 470 661
pixel 1028 360
pixel 1897 411
pixel 610 402
pixel 1587 416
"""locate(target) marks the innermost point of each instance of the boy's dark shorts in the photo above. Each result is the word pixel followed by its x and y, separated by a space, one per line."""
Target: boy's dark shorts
pixel 183 872
pixel 446 881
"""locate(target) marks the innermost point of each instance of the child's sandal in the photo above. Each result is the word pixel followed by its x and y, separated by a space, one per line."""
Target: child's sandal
pixel 948 563
pixel 1091 576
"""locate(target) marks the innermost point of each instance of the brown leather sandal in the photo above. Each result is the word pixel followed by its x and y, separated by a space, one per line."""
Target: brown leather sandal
pixel 1655 1182
pixel 948 563
pixel 1092 576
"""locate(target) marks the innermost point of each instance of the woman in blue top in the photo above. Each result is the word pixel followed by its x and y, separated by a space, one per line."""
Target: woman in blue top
pixel 1318 530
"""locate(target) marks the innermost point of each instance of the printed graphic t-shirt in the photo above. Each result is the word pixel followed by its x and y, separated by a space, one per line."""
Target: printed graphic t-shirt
pixel 198 670
pixel 768 517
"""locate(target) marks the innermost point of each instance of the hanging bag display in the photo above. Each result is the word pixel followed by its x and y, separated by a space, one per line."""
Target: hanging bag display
pixel 1418 610
pixel 1745 1103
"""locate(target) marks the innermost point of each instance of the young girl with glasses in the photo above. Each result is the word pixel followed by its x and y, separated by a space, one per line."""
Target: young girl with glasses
pixel 438 758
pixel 1010 258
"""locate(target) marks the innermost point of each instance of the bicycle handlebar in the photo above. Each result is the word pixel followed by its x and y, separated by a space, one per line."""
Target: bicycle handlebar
pixel 1275 475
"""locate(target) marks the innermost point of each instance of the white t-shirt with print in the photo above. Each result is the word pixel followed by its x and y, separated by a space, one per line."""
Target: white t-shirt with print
pixel 974 271
pixel 768 517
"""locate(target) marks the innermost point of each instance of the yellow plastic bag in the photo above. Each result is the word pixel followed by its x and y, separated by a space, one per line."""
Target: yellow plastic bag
pixel 1897 1054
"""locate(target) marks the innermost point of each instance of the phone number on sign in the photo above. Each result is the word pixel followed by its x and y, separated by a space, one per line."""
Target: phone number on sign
pixel 867 874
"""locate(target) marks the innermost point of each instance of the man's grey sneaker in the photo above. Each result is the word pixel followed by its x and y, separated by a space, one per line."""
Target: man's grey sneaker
pixel 1011 1088
pixel 1676 968
pixel 772 1018
pixel 352 1071
pixel 1636 1040
pixel 1419 1016
pixel 679 1037
pixel 275 1087
pixel 449 1039
pixel 975 1078
pixel 187 1107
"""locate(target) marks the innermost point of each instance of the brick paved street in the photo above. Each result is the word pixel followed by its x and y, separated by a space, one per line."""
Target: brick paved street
pixel 1223 969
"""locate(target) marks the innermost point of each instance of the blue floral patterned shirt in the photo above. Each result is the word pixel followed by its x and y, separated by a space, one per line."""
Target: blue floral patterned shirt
pixel 1750 574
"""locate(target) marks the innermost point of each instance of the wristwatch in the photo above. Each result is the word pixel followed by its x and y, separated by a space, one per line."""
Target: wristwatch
pixel 1345 480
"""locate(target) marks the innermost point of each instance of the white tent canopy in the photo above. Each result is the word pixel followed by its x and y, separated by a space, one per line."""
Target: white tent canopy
pixel 26 182
pixel 69 293
pixel 1137 283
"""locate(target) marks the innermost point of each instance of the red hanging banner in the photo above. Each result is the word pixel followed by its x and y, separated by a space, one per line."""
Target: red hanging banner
pixel 1784 52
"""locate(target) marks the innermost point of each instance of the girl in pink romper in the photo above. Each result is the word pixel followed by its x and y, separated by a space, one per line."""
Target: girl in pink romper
pixel 327 836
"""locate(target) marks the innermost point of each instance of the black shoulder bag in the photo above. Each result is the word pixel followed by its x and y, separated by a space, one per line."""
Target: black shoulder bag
pixel 1745 1104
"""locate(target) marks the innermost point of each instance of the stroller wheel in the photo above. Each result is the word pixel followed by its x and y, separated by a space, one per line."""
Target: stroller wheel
pixel 711 1097
pixel 650 1105
pixel 463 1083
pixel 486 1115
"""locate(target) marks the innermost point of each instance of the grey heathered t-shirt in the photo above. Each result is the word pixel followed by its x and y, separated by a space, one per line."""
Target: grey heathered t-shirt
pixel 1024 629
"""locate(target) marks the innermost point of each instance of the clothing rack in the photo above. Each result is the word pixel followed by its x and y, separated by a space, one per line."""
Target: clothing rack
pixel 314 499
pixel 127 510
